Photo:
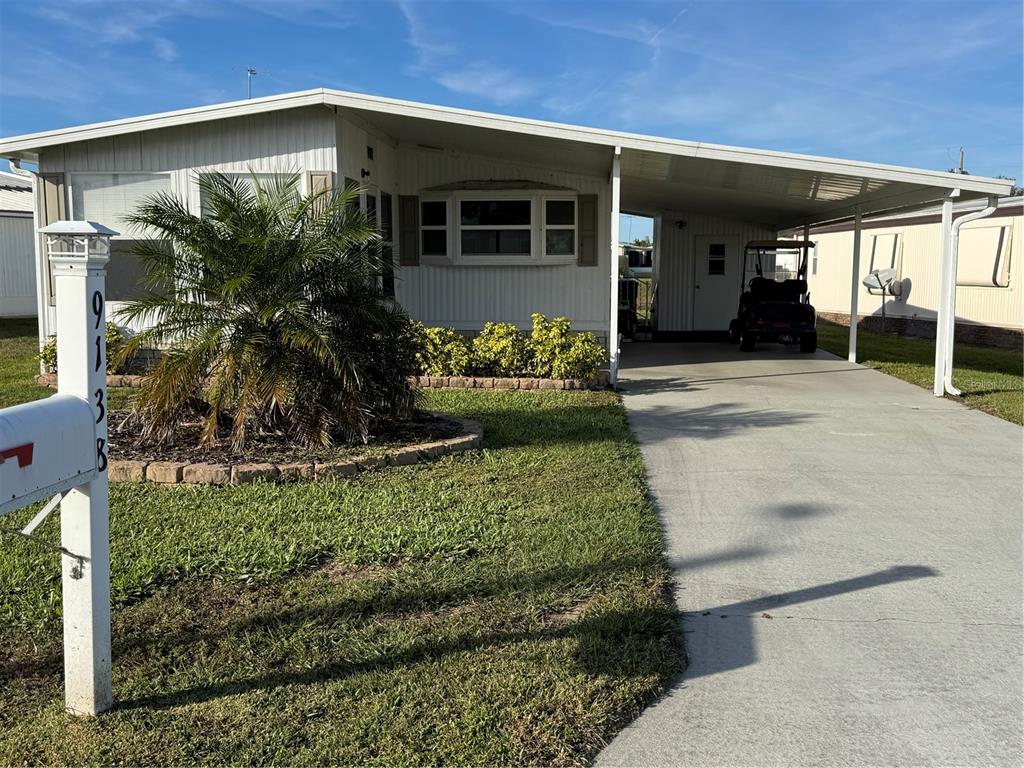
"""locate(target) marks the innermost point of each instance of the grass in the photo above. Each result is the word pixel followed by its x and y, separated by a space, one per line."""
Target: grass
pixel 992 380
pixel 18 364
pixel 503 606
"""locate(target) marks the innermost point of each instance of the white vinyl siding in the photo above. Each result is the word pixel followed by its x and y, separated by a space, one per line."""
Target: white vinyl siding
pixel 106 197
pixel 679 263
pixel 988 291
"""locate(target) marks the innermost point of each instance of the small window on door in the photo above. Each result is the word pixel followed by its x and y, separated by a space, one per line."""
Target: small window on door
pixel 716 258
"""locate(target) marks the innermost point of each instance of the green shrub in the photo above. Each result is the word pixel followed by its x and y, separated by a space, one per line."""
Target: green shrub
pixel 115 343
pixel 501 349
pixel 442 352
pixel 547 341
pixel 557 354
pixel 581 359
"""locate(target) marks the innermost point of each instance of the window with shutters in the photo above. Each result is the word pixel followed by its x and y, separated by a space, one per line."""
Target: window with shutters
pixel 499 227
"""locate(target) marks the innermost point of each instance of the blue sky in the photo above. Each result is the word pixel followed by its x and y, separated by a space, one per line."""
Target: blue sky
pixel 889 81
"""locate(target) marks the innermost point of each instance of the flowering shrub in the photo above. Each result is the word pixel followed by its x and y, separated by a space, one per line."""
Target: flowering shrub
pixel 501 349
pixel 442 352
pixel 581 358
pixel 558 355
pixel 547 341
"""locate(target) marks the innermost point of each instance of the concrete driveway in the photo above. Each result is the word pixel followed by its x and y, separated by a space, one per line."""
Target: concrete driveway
pixel 847 555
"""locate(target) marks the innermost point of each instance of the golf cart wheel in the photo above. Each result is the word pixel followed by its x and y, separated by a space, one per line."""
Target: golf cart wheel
pixel 747 340
pixel 734 332
pixel 809 342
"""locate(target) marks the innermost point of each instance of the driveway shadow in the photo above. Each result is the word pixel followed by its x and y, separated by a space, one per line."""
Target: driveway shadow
pixel 723 638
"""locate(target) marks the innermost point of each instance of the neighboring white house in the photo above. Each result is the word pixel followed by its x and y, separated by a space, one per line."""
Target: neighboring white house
pixel 990 298
pixel 494 217
pixel 17 247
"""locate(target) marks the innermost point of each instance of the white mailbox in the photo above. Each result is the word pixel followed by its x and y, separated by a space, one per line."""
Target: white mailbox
pixel 46 447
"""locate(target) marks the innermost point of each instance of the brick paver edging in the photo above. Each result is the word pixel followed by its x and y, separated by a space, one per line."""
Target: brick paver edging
pixel 202 473
pixel 433 382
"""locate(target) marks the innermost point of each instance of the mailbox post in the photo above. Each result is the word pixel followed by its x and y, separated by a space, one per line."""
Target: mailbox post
pixel 79 252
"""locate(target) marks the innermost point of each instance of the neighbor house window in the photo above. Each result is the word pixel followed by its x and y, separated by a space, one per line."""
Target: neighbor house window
pixel 716 258
pixel 434 227
pixel 106 197
pixel 495 228
pixel 560 227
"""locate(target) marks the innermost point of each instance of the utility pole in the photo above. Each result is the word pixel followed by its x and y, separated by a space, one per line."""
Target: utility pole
pixel 249 73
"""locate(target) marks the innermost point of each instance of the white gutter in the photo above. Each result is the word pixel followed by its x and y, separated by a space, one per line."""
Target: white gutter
pixel 950 297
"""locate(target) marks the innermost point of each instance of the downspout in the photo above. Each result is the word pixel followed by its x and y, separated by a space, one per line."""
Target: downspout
pixel 947 375
pixel 41 308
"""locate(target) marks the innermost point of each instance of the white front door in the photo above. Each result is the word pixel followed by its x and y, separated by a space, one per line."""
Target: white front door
pixel 716 281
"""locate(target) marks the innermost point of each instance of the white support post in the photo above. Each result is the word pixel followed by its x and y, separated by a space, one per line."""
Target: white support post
pixel 854 287
pixel 84 513
pixel 807 251
pixel 945 295
pixel 613 252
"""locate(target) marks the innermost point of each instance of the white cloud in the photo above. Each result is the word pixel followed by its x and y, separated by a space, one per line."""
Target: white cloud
pixel 164 49
pixel 499 85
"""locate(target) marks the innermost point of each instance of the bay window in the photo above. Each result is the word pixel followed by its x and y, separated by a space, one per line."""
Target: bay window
pixel 499 227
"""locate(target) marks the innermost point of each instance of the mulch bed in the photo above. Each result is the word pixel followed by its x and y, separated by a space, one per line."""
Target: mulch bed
pixel 126 443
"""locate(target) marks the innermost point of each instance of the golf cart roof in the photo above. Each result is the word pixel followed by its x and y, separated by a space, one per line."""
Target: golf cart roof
pixel 776 244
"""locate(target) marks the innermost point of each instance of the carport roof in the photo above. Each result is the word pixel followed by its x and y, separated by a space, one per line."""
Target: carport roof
pixel 658 174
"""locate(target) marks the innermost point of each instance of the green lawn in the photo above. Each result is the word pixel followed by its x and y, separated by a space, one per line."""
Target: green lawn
pixel 992 380
pixel 504 606
pixel 18 365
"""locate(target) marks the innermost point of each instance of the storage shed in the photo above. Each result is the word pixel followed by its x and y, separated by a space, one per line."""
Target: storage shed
pixel 17 249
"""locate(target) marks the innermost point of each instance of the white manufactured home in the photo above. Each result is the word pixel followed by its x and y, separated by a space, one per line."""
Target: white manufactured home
pixel 990 298
pixel 493 217
pixel 17 247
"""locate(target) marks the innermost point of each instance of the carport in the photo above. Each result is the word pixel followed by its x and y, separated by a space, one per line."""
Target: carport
pixel 751 193
pixel 847 559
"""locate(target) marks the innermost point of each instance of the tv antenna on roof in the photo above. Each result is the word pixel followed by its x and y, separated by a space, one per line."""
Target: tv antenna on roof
pixel 249 71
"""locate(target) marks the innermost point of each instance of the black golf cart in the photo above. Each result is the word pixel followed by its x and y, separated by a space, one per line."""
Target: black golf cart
pixel 774 302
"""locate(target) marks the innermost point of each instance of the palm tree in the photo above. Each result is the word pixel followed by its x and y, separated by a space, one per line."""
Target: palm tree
pixel 269 315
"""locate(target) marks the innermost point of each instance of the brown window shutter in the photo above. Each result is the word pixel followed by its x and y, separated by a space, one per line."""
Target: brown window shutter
pixel 588 231
pixel 409 230
pixel 317 182
pixel 51 203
